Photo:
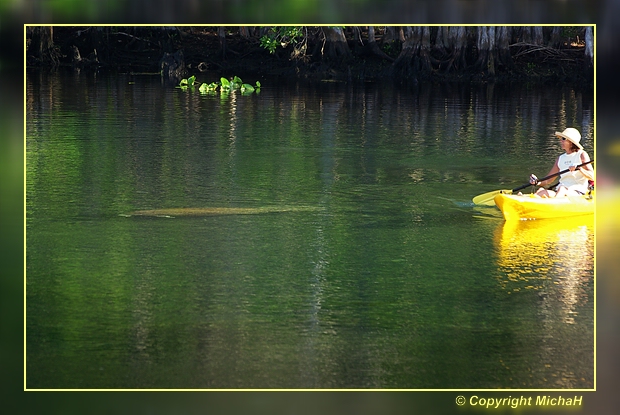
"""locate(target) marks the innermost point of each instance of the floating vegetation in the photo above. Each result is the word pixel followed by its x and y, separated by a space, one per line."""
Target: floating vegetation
pixel 225 86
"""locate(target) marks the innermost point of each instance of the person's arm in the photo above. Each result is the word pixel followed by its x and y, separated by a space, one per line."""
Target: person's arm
pixel 586 170
pixel 555 169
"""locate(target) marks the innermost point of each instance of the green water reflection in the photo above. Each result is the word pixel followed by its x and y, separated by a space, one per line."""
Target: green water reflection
pixel 358 261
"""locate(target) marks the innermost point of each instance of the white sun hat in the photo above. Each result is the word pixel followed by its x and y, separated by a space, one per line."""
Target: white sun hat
pixel 572 135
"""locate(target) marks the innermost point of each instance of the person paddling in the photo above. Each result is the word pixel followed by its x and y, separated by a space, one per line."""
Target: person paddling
pixel 576 181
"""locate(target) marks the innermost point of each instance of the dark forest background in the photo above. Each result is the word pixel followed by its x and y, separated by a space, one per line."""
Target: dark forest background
pixel 404 54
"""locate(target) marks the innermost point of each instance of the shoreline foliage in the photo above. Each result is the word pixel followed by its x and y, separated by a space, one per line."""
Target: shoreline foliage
pixel 536 54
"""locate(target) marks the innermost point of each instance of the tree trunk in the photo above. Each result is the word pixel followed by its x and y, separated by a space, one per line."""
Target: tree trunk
pixel 393 33
pixel 555 40
pixel 172 67
pixel 335 46
pixel 503 35
pixel 532 35
pixel 442 40
pixel 42 45
pixel 374 47
pixel 414 59
pixel 589 50
pixel 457 36
pixel 221 33
pixel 486 50
pixel 487 53
pixel 537 35
pixel 425 50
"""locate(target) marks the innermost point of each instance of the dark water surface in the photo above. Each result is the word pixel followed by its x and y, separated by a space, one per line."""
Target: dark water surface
pixel 335 244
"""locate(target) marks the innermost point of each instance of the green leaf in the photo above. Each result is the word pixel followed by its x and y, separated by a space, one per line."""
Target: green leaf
pixel 190 80
pixel 183 82
pixel 225 83
pixel 257 84
pixel 237 82
pixel 247 88
pixel 268 43
pixel 203 88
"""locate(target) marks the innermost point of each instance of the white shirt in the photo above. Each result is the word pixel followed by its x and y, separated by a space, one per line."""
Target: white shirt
pixel 572 180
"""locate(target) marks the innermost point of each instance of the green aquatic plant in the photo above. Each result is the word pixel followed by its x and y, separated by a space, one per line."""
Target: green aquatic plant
pixel 225 86
pixel 247 89
pixel 188 82
pixel 206 88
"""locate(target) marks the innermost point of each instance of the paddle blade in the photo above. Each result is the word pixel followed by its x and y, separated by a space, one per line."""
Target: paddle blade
pixel 486 199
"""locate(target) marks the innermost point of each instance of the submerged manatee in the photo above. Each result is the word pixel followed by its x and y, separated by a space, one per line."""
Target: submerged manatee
pixel 209 211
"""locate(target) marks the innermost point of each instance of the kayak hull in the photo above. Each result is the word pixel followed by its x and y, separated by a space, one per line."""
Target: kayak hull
pixel 515 207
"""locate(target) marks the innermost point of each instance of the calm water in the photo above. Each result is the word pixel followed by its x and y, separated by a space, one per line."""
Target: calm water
pixel 344 251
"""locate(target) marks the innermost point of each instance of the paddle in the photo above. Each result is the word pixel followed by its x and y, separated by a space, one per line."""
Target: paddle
pixel 487 198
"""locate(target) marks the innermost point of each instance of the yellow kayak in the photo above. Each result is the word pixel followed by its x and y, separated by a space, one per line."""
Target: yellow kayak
pixel 515 207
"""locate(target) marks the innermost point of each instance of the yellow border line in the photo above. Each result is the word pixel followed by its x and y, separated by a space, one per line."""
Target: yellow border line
pixel 595 200
pixel 24 201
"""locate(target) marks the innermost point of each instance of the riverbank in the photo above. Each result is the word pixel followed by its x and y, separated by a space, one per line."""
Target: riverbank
pixel 142 49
